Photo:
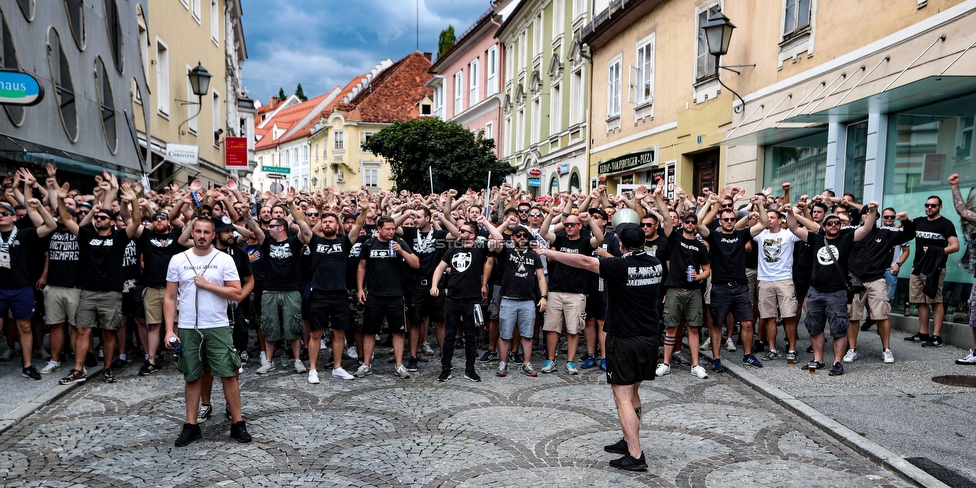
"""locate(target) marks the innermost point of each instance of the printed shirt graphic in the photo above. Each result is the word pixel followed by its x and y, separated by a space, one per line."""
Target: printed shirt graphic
pixel 62 259
pixel 217 268
pixel 283 264
pixel 775 254
pixel 631 279
pixel 467 266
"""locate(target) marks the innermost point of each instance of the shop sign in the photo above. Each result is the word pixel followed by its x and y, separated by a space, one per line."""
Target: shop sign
pixel 19 88
pixel 185 154
pixel 236 152
pixel 563 168
pixel 535 183
pixel 535 171
pixel 628 162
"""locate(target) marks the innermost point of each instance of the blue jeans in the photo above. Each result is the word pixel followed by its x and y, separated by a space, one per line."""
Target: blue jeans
pixel 892 282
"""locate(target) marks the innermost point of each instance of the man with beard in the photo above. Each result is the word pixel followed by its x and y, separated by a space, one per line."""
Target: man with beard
pixel 935 240
pixel 521 274
pixel 158 245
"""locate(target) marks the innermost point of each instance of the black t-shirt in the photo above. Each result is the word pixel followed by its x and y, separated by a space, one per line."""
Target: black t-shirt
pixel 661 249
pixel 157 250
pixel 467 266
pixel 872 256
pixel 826 277
pixel 384 268
pixel 241 260
pixel 932 233
pixel 101 259
pixel 684 253
pixel 13 257
pixel 352 262
pixel 255 254
pixel 429 247
pixel 610 244
pixel 329 258
pixel 565 278
pixel 631 280
pixel 130 264
pixel 62 266
pixel 282 265
pixel 518 268
pixel 728 255
pixel 307 265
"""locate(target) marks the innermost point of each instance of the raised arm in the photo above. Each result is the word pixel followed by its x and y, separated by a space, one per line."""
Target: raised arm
pixel 870 219
pixel 763 217
pixel 304 231
pixel 794 227
pixel 65 217
pixel 958 202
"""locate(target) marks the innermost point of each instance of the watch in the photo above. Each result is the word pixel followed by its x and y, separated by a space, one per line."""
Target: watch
pixel 546 297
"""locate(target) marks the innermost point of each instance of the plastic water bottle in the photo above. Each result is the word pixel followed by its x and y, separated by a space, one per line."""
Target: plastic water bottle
pixel 691 273
pixel 177 347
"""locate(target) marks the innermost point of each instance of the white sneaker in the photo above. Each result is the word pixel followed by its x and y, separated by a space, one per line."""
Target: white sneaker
pixel 401 371
pixel 662 369
pixel 351 352
pixel 313 377
pixel 322 345
pixel 850 356
pixel 969 359
pixel 265 367
pixel 729 345
pixel 264 357
pixel 887 357
pixel 706 345
pixel 51 367
pixel 341 373
pixel 699 371
pixel 299 366
pixel 427 349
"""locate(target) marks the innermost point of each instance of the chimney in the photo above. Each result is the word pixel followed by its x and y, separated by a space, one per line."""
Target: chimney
pixel 428 56
pixel 274 101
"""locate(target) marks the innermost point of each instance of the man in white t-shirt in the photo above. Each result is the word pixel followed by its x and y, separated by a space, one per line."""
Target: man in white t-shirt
pixel 200 282
pixel 775 284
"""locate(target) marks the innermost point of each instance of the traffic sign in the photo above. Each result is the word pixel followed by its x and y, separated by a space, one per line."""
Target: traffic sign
pixel 275 176
pixel 276 169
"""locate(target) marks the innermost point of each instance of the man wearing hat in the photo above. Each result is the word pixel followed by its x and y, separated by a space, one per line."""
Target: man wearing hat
pixel 633 328
pixel 596 290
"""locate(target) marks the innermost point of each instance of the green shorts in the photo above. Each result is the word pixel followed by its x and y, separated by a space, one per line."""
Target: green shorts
pixel 683 303
pixel 208 348
pixel 101 309
pixel 281 315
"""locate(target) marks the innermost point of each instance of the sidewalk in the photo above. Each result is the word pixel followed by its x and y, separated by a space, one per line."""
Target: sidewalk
pixel 23 396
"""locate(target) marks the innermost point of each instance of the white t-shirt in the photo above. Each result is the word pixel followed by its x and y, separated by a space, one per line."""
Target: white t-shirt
pixel 218 268
pixel 775 254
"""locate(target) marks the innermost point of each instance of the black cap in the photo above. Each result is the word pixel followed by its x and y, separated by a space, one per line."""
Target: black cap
pixel 599 211
pixel 630 235
pixel 222 223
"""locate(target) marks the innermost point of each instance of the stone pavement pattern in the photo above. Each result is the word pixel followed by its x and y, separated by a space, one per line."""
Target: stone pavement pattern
pixel 384 431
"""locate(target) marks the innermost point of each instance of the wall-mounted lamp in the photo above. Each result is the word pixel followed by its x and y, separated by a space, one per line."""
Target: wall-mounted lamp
pixel 718 35
pixel 199 85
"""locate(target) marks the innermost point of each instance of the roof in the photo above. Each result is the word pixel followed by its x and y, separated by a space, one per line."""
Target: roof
pixel 286 119
pixel 393 94
pixel 305 129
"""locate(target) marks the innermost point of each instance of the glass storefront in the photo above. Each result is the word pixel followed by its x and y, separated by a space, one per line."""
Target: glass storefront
pixel 857 150
pixel 801 161
pixel 925 146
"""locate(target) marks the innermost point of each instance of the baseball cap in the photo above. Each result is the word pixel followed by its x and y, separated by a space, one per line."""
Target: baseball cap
pixel 630 235
pixel 599 211
pixel 9 207
pixel 222 223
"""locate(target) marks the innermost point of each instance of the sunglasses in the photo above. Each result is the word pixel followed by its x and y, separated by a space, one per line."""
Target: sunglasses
pixel 522 235
pixel 523 211
pixel 691 222
pixel 161 217
pixel 534 214
pixel 932 205
pixel 82 212
pixel 5 214
pixel 272 226
pixel 205 214
pixel 887 216
pixel 728 219
pixel 102 217
pixel 726 205
pixel 648 224
pixel 572 224
pixel 312 215
pixel 832 223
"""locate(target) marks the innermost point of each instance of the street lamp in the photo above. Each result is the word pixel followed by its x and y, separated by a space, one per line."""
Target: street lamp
pixel 199 84
pixel 718 36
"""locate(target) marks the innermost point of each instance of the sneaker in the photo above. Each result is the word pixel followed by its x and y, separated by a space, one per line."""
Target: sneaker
pixel 969 359
pixel 527 370
pixel 678 358
pixel 502 369
pixel 204 413
pixel 74 376
pixel 299 366
pixel 758 346
pixel 791 355
pixel 699 371
pixel 108 376
pixel 815 365
pixel 729 345
pixel 445 375
pixel 918 337
pixel 364 369
pixel 889 358
pixel 549 366
pixel 717 366
pixel 119 363
pixel 190 433
pixel 426 348
pixel 472 375
pixel 263 357
pixel 514 357
pixel 810 349
pixel 629 463
pixel 238 432
pixel 850 356
pixel 313 377
pixel 751 359
pixel 934 341
pixel 571 368
pixel 51 367
pixel 31 372
pixel 147 369
pixel 401 371
pixel 90 360
pixel 662 369
pixel 245 357
pixel 772 355
pixel 265 367
pixel 342 374
pixel 837 369
pixel 412 364
pixel 603 364
pixel 489 355
pixel 706 345
pixel 589 363
pixel 101 353
pixel 619 447
pixel 867 324
pixel 7 355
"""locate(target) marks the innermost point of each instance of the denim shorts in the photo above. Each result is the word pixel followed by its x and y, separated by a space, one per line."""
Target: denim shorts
pixel 516 312
pixel 825 309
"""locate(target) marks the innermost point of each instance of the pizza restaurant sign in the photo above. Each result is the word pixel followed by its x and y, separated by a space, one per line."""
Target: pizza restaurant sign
pixel 629 162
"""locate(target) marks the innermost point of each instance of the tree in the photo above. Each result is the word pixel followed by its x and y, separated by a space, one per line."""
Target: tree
pixel 458 158
pixel 281 94
pixel 445 41
pixel 300 93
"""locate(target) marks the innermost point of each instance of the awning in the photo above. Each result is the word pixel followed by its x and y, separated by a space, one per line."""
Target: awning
pixel 30 153
pixel 773 135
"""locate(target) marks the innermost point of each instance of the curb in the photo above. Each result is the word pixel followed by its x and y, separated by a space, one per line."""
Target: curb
pixel 848 437
pixel 18 414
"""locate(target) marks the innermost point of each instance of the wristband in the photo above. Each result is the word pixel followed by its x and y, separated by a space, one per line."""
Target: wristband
pixel 566 214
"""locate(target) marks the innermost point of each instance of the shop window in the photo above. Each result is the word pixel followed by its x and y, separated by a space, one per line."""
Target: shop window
pixel 114 24
pixel 76 19
pixel 801 161
pixel 64 87
pixel 857 144
pixel 106 102
pixel 9 61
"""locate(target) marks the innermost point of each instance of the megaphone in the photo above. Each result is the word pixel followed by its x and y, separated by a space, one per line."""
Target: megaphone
pixel 625 215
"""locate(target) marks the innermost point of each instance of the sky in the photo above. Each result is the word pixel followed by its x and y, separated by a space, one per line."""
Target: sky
pixel 325 43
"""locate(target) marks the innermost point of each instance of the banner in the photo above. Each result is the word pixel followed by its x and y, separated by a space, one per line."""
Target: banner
pixel 235 152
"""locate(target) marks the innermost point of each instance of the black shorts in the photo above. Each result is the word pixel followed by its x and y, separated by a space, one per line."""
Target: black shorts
pixel 733 299
pixel 306 299
pixel 421 305
pixel 377 308
pixel 132 303
pixel 329 309
pixel 596 304
pixel 631 360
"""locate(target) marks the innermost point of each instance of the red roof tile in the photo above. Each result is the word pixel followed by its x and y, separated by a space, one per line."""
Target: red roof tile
pixel 393 95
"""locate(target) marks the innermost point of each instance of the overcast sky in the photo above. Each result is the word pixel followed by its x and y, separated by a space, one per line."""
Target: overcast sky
pixel 324 43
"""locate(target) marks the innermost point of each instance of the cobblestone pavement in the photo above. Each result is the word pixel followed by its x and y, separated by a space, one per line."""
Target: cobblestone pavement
pixel 385 431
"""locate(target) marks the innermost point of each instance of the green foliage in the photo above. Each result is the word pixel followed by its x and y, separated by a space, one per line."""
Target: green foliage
pixel 445 41
pixel 460 159
pixel 281 94
pixel 300 93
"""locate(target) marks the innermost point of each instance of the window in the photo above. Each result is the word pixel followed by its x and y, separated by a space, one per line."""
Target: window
pixel 802 162
pixel 76 19
pixel 106 102
pixel 196 10
pixel 27 7
pixel 509 137
pixel 490 130
pixel 425 109
pixel 524 49
pixel 337 136
pixel 367 136
pixel 796 17
pixel 555 110
pixel 576 97
pixel 856 157
pixel 645 71
pixel 214 22
pixel 8 60
pixel 520 130
pixel 613 89
pixel 114 24
pixel 143 43
pixel 192 109
pixel 537 35
pixel 439 99
pixel 458 90
pixel 162 78
pixel 216 115
pixel 536 120
pixel 371 177
pixel 704 62
pixel 473 75
pixel 509 61
pixel 492 62
pixel 557 19
pixel 64 87
pixel 578 9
